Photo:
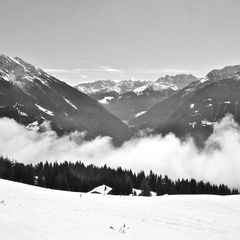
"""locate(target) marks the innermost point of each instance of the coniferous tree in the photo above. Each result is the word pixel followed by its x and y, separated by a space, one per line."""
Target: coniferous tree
pixel 145 188
pixel 78 177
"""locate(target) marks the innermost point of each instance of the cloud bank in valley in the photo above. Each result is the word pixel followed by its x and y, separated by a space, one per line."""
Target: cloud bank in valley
pixel 218 162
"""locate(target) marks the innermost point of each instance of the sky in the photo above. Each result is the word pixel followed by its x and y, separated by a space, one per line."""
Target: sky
pixel 87 40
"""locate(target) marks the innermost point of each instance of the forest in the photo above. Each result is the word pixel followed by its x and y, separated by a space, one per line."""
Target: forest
pixel 83 178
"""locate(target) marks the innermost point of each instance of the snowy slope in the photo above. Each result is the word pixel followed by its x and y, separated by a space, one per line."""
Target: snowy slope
pixel 29 212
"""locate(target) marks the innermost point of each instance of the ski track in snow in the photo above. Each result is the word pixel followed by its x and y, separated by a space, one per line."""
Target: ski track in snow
pixel 28 212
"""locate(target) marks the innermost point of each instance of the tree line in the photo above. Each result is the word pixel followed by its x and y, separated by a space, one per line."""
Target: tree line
pixel 83 178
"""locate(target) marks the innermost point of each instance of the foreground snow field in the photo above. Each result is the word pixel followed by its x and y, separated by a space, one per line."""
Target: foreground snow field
pixel 28 212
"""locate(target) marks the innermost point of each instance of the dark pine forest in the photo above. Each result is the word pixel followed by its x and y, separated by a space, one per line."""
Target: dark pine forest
pixel 81 178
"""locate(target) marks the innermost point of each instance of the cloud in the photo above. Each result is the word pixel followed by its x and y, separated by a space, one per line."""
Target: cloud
pixel 83 76
pixel 115 70
pixel 93 72
pixel 59 70
pixel 162 71
pixel 218 162
pixel 111 70
pixel 79 70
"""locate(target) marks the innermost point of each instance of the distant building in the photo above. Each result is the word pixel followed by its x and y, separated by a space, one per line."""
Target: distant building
pixel 153 194
pixel 103 189
pixel 137 192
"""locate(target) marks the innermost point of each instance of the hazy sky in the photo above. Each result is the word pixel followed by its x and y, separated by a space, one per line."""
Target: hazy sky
pixel 86 40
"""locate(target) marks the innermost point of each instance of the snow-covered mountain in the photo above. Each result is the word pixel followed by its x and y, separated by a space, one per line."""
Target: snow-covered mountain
pixel 195 109
pixel 110 86
pixel 179 81
pixel 127 99
pixel 30 96
pixel 176 82
pixel 224 73
pixel 128 105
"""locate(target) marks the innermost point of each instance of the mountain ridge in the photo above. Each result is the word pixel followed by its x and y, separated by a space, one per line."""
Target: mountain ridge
pixel 127 99
pixel 196 108
pixel 28 94
pixel 174 82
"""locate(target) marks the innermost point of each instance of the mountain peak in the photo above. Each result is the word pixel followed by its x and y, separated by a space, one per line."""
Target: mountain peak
pixel 31 68
pixel 7 62
pixel 17 71
pixel 224 73
pixel 176 82
pixel 180 80
pixel 110 86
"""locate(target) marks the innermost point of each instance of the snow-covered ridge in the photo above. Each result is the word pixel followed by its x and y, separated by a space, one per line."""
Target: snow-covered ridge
pixel 205 79
pixel 110 86
pixel 155 87
pixel 228 72
pixel 138 87
pixel 180 80
pixel 19 72
pixel 168 82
